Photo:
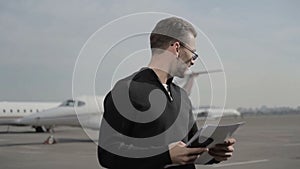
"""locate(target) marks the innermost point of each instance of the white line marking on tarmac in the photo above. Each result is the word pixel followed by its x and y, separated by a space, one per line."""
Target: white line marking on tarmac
pixel 241 163
pixel 292 144
pixel 30 152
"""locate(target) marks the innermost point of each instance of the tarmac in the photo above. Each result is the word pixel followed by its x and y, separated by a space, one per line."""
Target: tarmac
pixel 264 142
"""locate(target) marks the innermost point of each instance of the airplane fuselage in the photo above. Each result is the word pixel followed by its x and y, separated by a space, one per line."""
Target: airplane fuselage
pixel 12 112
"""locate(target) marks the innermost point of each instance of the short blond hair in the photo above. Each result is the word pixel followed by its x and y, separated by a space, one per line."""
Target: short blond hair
pixel 170 30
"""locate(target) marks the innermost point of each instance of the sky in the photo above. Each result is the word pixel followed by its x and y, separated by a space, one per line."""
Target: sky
pixel 257 42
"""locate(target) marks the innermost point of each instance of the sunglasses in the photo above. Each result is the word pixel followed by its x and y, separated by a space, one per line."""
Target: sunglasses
pixel 195 55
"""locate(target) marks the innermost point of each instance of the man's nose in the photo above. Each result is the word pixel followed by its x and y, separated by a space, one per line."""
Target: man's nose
pixel 192 62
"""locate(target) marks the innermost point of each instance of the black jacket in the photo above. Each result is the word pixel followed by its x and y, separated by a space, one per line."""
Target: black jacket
pixel 135 133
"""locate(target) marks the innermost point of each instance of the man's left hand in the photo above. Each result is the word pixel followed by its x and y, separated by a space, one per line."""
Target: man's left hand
pixel 222 152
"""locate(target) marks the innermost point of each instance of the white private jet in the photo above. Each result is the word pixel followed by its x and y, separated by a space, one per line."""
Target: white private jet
pixel 86 111
pixel 213 113
pixel 83 111
pixel 11 113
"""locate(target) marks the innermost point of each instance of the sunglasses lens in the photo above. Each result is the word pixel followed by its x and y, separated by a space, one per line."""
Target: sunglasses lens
pixel 195 57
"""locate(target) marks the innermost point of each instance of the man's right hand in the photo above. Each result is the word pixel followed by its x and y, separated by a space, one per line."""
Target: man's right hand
pixel 180 154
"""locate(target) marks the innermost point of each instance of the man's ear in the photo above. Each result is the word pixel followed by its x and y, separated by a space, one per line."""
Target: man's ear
pixel 176 45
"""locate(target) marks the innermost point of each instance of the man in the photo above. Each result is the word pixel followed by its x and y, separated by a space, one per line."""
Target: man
pixel 147 118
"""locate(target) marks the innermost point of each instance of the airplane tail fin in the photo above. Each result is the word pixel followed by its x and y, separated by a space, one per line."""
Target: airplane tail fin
pixel 188 81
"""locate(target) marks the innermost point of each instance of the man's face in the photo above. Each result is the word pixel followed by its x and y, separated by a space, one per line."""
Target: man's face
pixel 186 56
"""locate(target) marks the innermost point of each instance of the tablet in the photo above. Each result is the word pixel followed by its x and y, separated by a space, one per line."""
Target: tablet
pixel 210 135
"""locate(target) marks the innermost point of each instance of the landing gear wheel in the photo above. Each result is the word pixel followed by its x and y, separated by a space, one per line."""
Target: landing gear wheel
pixel 40 129
pixel 50 140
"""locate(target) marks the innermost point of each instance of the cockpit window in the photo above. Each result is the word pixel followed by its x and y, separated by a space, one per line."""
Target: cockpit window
pixel 68 103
